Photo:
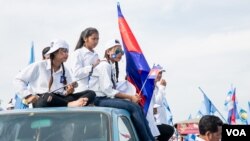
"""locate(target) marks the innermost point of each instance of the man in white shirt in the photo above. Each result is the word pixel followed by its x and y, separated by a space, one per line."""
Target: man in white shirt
pixel 210 128
pixel 158 110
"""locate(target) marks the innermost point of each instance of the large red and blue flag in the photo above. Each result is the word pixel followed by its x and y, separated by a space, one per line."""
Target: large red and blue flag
pixel 137 68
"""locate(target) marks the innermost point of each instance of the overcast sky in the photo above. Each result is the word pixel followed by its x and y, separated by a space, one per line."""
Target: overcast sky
pixel 202 43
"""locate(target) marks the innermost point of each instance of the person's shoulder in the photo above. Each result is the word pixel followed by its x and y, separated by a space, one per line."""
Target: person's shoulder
pixel 39 63
pixel 103 64
pixel 77 51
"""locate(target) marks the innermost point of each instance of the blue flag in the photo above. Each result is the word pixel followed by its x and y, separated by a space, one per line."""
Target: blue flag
pixel 190 137
pixel 32 54
pixel 231 105
pixel 242 116
pixel 248 119
pixel 168 111
pixel 209 106
pixel 19 104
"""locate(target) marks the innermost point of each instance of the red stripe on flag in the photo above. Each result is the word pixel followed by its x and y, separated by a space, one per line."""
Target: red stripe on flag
pixel 128 37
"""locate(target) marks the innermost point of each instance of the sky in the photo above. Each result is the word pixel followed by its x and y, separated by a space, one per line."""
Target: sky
pixel 200 43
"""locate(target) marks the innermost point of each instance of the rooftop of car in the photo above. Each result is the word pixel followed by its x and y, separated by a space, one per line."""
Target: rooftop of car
pixel 65 109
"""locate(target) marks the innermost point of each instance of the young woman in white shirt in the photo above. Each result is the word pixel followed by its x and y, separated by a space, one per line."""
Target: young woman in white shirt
pixel 104 84
pixel 46 80
pixel 84 58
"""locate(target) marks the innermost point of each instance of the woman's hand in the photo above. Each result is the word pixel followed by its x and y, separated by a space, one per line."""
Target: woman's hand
pixel 70 89
pixel 135 98
pixel 163 82
pixel 96 63
pixel 31 99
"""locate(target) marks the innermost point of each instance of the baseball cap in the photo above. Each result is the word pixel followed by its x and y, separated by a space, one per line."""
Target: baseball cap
pixel 158 67
pixel 112 43
pixel 56 44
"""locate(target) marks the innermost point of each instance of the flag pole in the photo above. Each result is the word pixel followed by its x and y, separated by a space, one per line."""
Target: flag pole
pixel 213 104
pixel 143 85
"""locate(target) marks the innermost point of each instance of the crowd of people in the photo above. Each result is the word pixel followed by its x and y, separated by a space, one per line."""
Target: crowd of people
pixel 91 81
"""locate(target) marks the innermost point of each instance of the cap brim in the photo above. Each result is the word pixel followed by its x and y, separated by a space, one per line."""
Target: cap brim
pixel 163 70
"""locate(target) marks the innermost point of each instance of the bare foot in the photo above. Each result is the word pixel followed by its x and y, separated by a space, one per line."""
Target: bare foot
pixel 78 103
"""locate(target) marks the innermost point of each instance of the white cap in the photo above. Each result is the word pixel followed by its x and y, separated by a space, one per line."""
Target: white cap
pixel 112 43
pixel 158 67
pixel 56 44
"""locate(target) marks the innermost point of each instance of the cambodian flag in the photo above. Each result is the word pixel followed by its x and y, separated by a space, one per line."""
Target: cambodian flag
pixel 154 71
pixel 232 107
pixel 137 68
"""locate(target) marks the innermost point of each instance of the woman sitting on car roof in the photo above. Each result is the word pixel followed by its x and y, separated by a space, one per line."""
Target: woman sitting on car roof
pixel 49 81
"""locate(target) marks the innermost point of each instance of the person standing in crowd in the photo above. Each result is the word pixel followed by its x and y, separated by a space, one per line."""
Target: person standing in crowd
pixel 84 58
pixel 210 128
pixel 104 80
pixel 50 83
pixel 157 109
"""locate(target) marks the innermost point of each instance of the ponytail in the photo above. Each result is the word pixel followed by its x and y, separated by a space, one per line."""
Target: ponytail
pixel 84 35
pixel 51 71
pixel 116 71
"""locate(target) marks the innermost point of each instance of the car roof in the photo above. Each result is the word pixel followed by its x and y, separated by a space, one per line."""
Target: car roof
pixel 106 110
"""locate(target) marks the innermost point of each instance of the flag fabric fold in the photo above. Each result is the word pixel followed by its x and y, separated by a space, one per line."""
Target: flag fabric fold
pixel 242 116
pixel 168 111
pixel 209 108
pixel 137 68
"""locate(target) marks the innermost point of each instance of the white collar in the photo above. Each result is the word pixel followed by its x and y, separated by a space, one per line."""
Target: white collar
pixel 48 67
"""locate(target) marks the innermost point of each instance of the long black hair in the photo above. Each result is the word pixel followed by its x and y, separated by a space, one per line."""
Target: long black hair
pixel 85 34
pixel 52 56
pixel 106 55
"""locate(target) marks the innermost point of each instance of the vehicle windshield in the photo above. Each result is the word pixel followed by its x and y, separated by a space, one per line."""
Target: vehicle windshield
pixel 70 126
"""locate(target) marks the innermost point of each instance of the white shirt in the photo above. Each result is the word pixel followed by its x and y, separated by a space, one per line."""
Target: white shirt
pixel 100 81
pixel 158 95
pixel 82 60
pixel 151 120
pixel 199 139
pixel 34 79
